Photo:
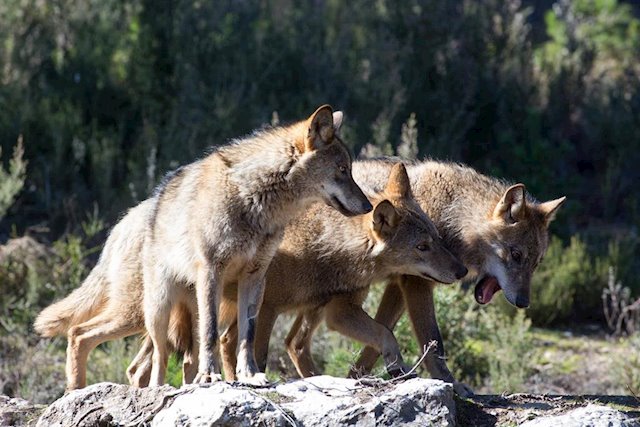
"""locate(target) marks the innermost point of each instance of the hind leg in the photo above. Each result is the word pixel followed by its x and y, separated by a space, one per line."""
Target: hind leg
pixel 139 370
pixel 188 330
pixel 159 296
pixel 389 311
pixel 229 337
pixel 86 336
pixel 298 341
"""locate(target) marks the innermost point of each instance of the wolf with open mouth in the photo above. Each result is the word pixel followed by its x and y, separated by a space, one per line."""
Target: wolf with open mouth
pixel 496 229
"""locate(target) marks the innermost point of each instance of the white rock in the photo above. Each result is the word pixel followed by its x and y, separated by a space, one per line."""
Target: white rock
pixel 588 416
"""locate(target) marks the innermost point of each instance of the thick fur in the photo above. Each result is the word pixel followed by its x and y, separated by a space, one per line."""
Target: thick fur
pixel 484 222
pixel 324 268
pixel 218 222
pixel 326 264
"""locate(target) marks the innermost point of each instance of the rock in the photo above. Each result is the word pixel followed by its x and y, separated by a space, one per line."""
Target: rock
pixel 312 401
pixel 18 412
pixel 588 416
pixel 105 404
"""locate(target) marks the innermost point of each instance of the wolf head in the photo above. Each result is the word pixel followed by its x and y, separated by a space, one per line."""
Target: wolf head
pixel 328 164
pixel 408 241
pixel 516 236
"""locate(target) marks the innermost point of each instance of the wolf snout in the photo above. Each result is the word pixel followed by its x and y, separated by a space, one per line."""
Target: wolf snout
pixel 366 207
pixel 522 301
pixel 461 271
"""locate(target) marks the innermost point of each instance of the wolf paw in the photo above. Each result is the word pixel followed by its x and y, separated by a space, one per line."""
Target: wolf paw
pixel 258 379
pixel 401 370
pixel 462 389
pixel 207 378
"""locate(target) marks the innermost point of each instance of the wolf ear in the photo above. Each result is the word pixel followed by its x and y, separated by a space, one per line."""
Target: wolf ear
pixel 550 208
pixel 398 185
pixel 385 218
pixel 321 129
pixel 338 116
pixel 511 208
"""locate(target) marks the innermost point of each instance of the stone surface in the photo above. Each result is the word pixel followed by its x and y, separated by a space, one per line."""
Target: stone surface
pixel 588 416
pixel 18 412
pixel 317 401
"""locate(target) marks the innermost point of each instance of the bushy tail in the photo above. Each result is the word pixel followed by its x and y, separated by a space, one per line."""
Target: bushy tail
pixel 76 308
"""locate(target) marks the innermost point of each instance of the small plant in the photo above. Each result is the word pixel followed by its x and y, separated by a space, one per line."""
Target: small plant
pixel 622 314
pixel 12 180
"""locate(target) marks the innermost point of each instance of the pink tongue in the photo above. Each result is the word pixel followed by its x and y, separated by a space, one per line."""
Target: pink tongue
pixel 489 289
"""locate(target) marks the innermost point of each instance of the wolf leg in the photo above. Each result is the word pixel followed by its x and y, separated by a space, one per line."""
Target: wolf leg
pixel 208 296
pixel 228 338
pixel 389 311
pixel 264 327
pixel 250 294
pixel 86 336
pixel 139 370
pixel 298 342
pixel 418 296
pixel 345 315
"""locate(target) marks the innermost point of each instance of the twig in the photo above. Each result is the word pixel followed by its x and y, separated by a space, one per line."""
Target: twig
pixel 426 350
pixel 633 393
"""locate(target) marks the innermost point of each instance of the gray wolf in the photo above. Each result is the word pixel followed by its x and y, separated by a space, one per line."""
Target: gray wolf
pixel 254 185
pixel 497 230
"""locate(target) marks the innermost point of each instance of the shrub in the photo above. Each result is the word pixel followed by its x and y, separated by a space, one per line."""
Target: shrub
pixel 12 180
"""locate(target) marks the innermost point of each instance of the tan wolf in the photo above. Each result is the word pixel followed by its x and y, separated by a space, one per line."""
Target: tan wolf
pixel 224 215
pixel 326 263
pixel 219 221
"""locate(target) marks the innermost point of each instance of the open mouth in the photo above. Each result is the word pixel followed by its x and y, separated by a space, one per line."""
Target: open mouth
pixel 485 289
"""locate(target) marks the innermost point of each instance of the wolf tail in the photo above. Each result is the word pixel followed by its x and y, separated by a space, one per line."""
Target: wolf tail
pixel 77 307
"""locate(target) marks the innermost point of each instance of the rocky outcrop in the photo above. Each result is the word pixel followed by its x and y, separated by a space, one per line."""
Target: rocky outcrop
pixel 588 416
pixel 317 401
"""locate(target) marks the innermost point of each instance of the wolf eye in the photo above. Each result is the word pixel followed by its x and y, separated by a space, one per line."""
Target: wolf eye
pixel 516 255
pixel 342 168
pixel 422 247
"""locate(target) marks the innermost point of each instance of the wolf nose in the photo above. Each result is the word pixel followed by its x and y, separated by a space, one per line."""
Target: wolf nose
pixel 461 272
pixel 366 206
pixel 522 302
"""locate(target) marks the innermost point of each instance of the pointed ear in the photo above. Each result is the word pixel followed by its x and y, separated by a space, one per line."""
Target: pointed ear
pixel 337 120
pixel 385 218
pixel 398 185
pixel 320 129
pixel 550 208
pixel 511 208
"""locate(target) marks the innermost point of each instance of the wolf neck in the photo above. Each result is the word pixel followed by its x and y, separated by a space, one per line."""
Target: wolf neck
pixel 263 168
pixel 352 241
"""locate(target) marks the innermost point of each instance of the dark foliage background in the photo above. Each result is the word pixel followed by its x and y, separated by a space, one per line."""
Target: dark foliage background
pixel 110 94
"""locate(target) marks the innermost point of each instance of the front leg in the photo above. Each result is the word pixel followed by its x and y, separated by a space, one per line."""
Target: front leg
pixel 208 289
pixel 418 297
pixel 345 314
pixel 250 294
